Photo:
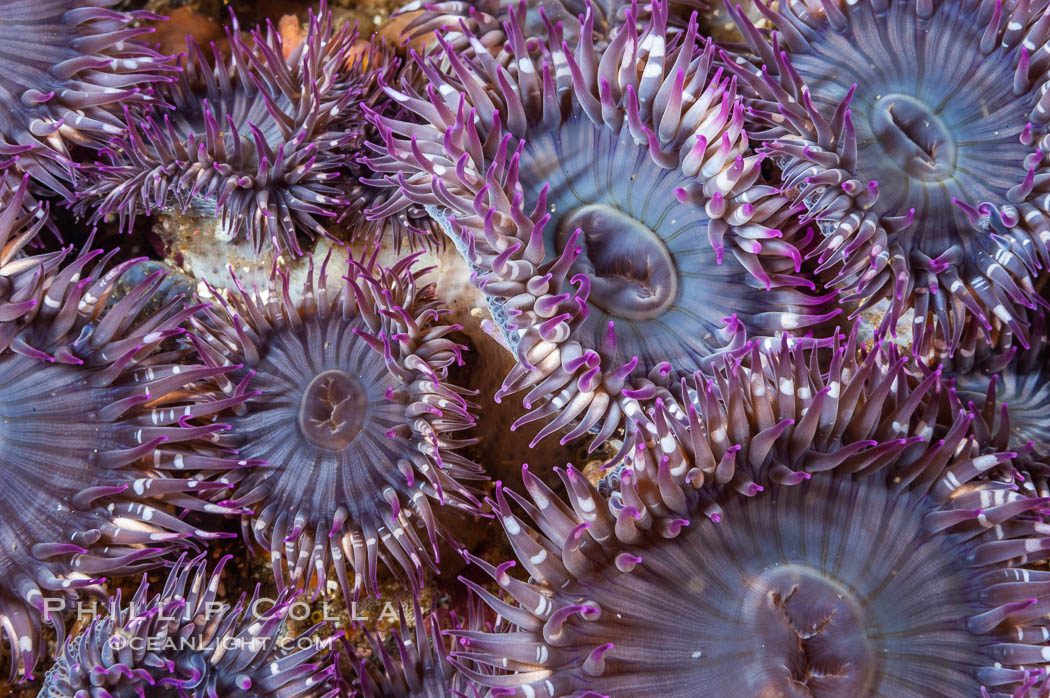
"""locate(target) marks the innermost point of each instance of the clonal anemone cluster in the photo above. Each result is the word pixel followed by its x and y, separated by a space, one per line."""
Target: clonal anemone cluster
pixel 64 66
pixel 420 668
pixel 262 140
pixel 611 209
pixel 352 409
pixel 1009 391
pixel 77 364
pixel 183 642
pixel 915 133
pixel 799 517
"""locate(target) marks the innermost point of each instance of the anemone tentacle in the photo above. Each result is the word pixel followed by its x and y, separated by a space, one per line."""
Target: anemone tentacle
pixel 64 66
pixel 375 208
pixel 784 407
pixel 1007 387
pixel 612 211
pixel 22 276
pixel 262 139
pixel 182 639
pixel 821 534
pixel 353 412
pixel 485 20
pixel 76 362
pixel 420 668
pixel 15 192
pixel 927 174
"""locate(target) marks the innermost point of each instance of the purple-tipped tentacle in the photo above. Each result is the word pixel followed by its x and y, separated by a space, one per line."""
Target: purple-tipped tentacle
pixel 351 408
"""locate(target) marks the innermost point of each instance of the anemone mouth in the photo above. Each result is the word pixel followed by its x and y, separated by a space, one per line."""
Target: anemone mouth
pixel 840 585
pixel 949 118
pixel 632 273
pixel 915 134
pixel 935 160
pixel 339 419
pixel 812 625
pixel 841 547
pixel 683 253
pixel 645 254
pixel 332 410
pixel 351 409
pixel 832 586
pixel 827 589
pixel 914 137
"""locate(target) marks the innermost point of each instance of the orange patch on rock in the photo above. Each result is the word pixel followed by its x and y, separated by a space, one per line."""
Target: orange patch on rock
pixel 171 35
pixel 292 33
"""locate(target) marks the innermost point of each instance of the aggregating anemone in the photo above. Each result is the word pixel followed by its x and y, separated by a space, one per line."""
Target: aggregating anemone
pixel 597 195
pixel 350 405
pixel 915 133
pixel 185 641
pixel 883 566
pixel 261 139
pixel 65 65
pixel 674 240
pixel 96 500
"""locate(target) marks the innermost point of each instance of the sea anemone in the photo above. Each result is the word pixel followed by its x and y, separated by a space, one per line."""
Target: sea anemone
pixel 185 642
pixel 1008 389
pixel 75 362
pixel 353 412
pixel 805 522
pixel 421 667
pixel 914 132
pixel 262 140
pixel 65 65
pixel 596 196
